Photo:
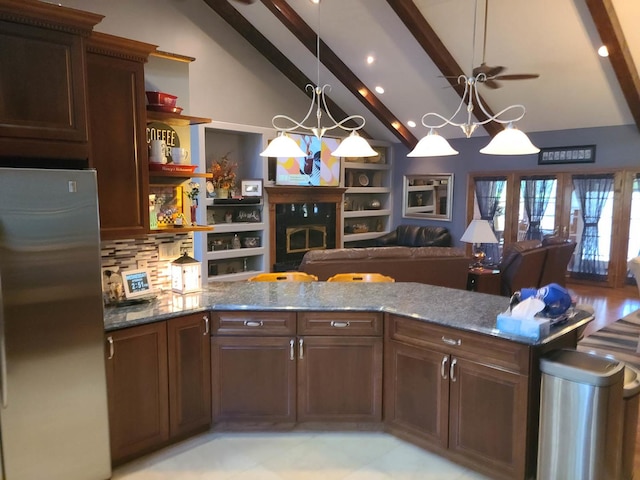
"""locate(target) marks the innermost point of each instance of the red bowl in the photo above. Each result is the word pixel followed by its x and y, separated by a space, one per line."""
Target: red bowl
pixel 160 98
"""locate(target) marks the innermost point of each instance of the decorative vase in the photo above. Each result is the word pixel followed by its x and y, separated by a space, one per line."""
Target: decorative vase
pixel 222 193
pixel 194 207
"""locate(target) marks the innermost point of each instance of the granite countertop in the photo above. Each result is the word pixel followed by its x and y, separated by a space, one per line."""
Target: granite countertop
pixel 460 309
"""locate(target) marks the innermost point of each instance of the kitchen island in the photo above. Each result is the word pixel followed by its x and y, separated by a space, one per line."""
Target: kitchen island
pixel 425 363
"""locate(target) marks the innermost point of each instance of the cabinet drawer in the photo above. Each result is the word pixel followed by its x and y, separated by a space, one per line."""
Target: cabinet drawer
pixel 340 323
pixel 480 348
pixel 253 323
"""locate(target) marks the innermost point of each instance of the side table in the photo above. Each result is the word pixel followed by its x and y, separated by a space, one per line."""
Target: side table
pixel 484 280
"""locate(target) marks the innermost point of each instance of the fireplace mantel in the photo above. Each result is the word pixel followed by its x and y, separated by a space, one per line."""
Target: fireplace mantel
pixel 310 194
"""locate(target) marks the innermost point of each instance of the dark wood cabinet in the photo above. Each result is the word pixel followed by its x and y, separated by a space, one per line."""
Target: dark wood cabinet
pixel 116 99
pixel 43 112
pixel 188 343
pixel 459 394
pixel 277 367
pixel 158 383
pixel 137 385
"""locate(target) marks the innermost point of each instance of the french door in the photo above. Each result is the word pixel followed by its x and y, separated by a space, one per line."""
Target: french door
pixel 597 210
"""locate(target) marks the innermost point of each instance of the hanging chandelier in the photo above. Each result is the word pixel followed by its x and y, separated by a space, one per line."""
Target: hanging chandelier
pixel 284 146
pixel 509 141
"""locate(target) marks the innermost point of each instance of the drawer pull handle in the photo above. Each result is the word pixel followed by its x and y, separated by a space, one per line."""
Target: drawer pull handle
pixel 301 349
pixel 443 367
pixel 111 349
pixel 340 324
pixel 253 323
pixel 451 341
pixel 292 349
pixel 452 370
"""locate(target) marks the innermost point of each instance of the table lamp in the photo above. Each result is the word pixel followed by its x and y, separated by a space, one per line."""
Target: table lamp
pixel 478 231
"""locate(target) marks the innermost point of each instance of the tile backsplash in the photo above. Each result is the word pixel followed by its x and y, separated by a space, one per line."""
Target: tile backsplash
pixel 127 253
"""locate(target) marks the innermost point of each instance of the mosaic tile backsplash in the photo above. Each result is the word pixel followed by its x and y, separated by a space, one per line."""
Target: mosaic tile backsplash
pixel 125 254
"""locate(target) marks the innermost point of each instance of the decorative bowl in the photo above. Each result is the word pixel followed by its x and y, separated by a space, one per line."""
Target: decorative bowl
pixel 161 98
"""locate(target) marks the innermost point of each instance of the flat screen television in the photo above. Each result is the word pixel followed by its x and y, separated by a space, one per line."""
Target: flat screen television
pixel 318 168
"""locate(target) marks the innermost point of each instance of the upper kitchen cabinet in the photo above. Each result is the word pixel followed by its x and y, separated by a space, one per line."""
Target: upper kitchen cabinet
pixel 43 112
pixel 117 122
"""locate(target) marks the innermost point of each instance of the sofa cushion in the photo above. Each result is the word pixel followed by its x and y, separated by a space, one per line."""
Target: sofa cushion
pixel 417 236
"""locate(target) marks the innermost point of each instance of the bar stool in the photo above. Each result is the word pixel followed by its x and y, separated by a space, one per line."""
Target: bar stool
pixel 360 277
pixel 284 277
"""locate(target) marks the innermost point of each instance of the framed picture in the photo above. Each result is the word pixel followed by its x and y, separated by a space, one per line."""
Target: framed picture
pixel 579 154
pixel 251 188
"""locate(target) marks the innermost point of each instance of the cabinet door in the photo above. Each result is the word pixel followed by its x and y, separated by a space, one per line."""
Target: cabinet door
pixel 118 144
pixel 340 379
pixel 137 390
pixel 488 417
pixel 417 392
pixel 253 379
pixel 43 110
pixel 189 373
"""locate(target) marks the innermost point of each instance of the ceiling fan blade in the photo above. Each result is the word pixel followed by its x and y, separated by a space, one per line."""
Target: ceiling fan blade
pixel 487 70
pixel 516 76
pixel 491 83
pixel 246 2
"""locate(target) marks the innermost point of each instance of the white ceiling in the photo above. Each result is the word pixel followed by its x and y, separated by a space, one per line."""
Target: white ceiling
pixel 554 38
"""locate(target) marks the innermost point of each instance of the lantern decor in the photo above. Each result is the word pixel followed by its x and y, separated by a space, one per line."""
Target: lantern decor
pixel 185 274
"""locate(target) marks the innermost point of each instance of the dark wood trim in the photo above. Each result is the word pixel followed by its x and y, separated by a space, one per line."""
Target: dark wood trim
pixel 270 52
pixel 50 16
pixel 307 36
pixel 427 38
pixel 611 34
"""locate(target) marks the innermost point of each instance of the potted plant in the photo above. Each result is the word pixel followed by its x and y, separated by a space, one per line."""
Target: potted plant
pixel 224 176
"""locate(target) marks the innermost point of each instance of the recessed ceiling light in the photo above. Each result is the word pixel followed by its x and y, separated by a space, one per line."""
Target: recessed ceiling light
pixel 316 2
pixel 411 123
pixel 379 89
pixel 603 51
pixel 370 59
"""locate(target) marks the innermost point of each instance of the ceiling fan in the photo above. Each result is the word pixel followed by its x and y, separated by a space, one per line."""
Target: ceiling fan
pixel 490 75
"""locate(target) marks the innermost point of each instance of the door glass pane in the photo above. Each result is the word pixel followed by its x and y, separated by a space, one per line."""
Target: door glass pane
pixel 537 214
pixel 592 220
pixel 634 232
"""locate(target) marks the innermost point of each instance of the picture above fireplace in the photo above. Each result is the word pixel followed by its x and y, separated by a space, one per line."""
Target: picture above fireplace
pixel 318 168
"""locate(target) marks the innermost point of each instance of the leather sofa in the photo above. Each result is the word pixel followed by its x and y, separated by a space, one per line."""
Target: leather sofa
pixel 416 236
pixel 443 266
pixel 533 264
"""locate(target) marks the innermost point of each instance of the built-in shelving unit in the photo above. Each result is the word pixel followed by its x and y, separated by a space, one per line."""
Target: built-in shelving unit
pixel 366 212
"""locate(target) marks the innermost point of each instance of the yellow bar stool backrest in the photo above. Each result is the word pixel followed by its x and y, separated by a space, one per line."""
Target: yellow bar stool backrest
pixel 360 277
pixel 284 277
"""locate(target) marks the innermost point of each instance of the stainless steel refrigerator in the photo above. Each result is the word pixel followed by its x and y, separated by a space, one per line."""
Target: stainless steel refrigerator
pixel 53 413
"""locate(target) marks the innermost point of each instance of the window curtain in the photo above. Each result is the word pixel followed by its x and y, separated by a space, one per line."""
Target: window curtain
pixel 592 193
pixel 488 193
pixel 536 197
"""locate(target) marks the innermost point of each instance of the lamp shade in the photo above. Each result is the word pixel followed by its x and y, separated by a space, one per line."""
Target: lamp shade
pixel 479 231
pixel 283 146
pixel 510 141
pixel 432 145
pixel 354 146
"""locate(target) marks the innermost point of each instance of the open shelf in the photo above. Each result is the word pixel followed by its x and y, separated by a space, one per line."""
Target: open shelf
pixel 175 119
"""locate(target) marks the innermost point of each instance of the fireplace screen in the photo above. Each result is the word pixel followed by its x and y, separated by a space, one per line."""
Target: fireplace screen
pixel 306 237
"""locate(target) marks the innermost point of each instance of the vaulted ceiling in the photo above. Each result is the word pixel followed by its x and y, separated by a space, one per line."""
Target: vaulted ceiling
pixel 417 44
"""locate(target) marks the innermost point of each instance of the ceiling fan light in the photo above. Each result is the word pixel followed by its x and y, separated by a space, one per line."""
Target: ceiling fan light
pixel 432 145
pixel 510 141
pixel 354 146
pixel 283 146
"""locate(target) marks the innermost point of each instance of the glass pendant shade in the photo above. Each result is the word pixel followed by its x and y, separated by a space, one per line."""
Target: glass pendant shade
pixel 354 146
pixel 283 146
pixel 432 145
pixel 510 141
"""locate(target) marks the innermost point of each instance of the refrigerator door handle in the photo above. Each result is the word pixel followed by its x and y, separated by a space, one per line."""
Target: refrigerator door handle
pixel 3 354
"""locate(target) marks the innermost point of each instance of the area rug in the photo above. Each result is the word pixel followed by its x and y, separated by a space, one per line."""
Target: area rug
pixel 619 339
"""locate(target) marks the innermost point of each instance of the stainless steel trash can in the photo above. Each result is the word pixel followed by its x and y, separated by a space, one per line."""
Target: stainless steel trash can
pixel 581 417
pixel 631 401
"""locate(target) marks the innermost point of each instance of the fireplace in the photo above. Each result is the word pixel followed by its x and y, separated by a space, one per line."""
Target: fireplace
pixel 302 219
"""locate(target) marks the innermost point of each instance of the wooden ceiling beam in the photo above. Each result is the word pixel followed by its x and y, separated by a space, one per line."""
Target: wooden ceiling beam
pixel 270 52
pixel 611 34
pixel 307 36
pixel 418 26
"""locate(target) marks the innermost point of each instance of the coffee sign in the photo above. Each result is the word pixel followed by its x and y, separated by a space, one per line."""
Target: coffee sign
pixel 162 131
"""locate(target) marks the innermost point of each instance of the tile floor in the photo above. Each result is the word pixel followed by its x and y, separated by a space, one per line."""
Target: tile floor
pixel 293 456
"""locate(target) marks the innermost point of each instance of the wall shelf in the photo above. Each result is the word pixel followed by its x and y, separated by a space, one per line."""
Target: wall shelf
pixel 174 119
